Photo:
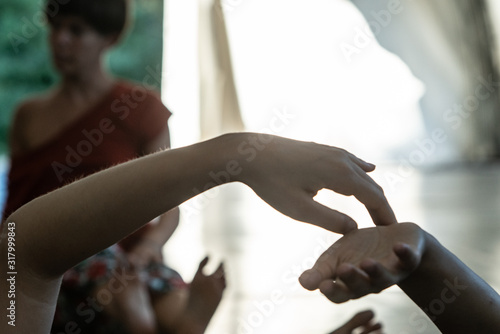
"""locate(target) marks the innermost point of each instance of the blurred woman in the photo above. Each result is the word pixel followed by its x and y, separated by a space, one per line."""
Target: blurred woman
pixel 87 122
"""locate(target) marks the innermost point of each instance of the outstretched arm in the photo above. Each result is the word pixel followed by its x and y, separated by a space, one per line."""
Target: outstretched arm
pixel 369 260
pixel 56 231
pixel 148 248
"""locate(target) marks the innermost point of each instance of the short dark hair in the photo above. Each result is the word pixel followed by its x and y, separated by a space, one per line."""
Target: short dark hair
pixel 105 16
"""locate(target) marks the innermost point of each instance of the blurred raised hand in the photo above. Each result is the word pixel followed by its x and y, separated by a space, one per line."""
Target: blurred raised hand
pixel 361 323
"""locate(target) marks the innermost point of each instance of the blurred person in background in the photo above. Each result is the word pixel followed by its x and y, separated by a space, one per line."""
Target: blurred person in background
pixel 88 122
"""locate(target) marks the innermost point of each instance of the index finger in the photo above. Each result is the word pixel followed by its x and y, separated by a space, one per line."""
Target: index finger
pixel 308 210
pixel 372 196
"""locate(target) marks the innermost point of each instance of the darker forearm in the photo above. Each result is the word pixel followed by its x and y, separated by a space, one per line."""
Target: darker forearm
pixel 451 294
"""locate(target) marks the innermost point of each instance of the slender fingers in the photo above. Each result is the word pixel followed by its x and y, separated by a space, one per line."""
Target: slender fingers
pixel 308 210
pixel 357 281
pixel 219 272
pixel 366 166
pixel 380 278
pixel 372 196
pixel 348 283
pixel 362 320
pixel 352 282
pixel 369 277
pixel 365 321
pixel 202 264
pixel 371 328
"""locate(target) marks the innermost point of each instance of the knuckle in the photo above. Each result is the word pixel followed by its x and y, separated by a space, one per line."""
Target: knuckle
pixel 378 188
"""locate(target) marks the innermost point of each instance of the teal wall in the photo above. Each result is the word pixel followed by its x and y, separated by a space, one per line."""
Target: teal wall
pixel 25 66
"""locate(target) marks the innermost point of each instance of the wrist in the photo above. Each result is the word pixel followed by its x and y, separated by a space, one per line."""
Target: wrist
pixel 232 157
pixel 430 256
pixel 248 152
pixel 429 262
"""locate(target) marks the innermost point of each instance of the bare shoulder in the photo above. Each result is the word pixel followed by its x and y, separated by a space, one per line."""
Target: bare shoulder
pixel 33 105
pixel 25 114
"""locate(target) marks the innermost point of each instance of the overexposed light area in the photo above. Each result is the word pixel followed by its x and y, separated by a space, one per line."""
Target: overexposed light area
pixel 180 85
pixel 318 62
pixel 309 70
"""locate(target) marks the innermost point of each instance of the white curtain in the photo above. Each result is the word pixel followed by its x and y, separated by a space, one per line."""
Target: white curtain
pixel 219 107
pixel 448 45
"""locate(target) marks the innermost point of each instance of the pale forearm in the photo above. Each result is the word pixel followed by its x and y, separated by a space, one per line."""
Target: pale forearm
pixel 453 296
pixel 80 219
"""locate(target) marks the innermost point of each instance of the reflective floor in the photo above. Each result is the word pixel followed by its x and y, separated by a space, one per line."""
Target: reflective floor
pixel 264 252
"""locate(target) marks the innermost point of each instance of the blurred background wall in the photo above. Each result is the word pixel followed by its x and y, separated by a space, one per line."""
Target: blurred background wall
pixel 25 66
pixel 399 81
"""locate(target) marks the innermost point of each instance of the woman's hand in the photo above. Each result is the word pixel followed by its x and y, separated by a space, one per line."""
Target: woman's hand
pixel 366 261
pixel 287 174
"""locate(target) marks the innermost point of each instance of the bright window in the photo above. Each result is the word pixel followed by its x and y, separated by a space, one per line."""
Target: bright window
pixel 313 64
